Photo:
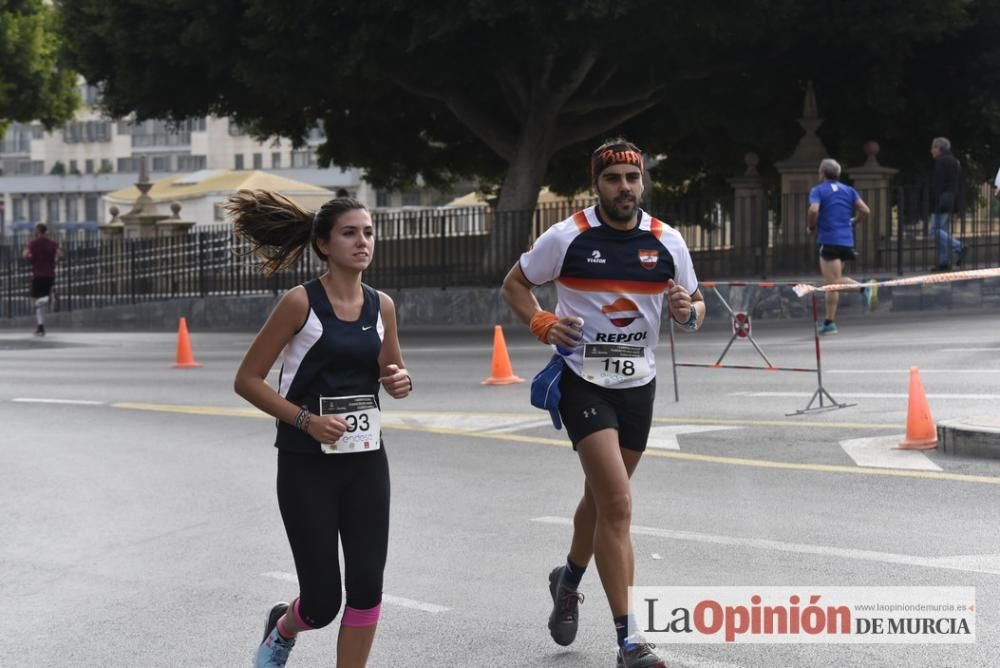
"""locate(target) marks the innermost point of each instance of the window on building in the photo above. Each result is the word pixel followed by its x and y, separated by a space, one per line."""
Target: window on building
pixel 161 163
pixel 35 209
pixel 78 132
pixel 258 161
pixel 72 209
pixel 52 204
pixel 88 166
pixel 382 199
pixel 304 158
pixel 37 167
pixel 18 208
pixel 191 163
pixel 238 163
pixel 276 160
pixel 90 208
pixel 23 167
pixel 128 165
pixel 89 94
pixel 74 168
pixel 411 198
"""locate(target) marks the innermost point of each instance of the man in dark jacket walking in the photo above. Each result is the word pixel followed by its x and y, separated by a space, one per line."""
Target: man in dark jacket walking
pixel 945 184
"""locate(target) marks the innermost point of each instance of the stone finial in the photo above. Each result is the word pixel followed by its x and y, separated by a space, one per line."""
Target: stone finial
pixel 143 176
pixel 175 207
pixel 810 110
pixel 113 210
pixel 751 160
pixel 810 149
pixel 871 149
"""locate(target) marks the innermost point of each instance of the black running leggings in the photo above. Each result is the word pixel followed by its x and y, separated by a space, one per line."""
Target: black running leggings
pixel 322 497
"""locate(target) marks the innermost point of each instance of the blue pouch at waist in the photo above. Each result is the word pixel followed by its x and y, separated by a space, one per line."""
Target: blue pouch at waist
pixel 545 389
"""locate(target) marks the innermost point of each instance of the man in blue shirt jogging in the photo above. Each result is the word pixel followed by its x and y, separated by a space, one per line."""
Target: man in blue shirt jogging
pixel 833 209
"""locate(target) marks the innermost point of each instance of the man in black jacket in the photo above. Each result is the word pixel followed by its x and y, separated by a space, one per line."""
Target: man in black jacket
pixel 945 184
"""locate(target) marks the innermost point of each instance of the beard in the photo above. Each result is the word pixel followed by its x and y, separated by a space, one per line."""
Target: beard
pixel 620 209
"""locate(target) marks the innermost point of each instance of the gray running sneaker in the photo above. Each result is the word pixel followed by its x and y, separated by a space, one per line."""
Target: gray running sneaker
pixel 565 615
pixel 639 655
pixel 273 650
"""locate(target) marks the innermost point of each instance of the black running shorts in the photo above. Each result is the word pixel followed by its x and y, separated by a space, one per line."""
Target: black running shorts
pixel 586 408
pixel 41 286
pixel 833 252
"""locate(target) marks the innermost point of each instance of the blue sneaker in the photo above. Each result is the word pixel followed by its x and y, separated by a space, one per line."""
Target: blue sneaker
pixel 273 650
pixel 827 330
pixel 870 293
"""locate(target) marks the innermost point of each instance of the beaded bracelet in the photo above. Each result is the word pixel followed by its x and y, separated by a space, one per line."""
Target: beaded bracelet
pixel 302 419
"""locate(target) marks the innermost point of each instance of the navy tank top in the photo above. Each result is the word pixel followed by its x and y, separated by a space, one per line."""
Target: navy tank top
pixel 329 357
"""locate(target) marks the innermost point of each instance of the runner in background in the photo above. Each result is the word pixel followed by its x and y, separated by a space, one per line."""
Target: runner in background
pixel 834 208
pixel 44 253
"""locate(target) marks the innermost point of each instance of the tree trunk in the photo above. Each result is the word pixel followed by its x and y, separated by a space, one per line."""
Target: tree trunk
pixel 519 196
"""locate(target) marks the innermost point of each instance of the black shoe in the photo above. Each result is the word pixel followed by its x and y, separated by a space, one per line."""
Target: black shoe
pixel 940 267
pixel 640 655
pixel 272 618
pixel 40 330
pixel 960 255
pixel 565 615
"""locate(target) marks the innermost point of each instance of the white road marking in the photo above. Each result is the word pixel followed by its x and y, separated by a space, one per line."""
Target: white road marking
pixel 530 424
pixel 870 395
pixel 386 598
pixel 465 421
pixel 986 563
pixel 853 372
pixel 881 452
pixel 970 350
pixel 79 402
pixel 665 438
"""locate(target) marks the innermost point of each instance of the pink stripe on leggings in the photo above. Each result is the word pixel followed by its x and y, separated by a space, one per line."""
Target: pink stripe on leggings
pixel 355 617
pixel 298 617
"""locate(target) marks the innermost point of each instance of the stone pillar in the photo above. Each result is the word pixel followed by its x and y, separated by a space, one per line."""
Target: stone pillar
pixel 874 183
pixel 173 226
pixel 114 228
pixel 799 173
pixel 750 223
pixel 140 222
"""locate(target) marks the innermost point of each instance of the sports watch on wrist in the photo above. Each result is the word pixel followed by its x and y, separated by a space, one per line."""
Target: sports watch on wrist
pixel 692 321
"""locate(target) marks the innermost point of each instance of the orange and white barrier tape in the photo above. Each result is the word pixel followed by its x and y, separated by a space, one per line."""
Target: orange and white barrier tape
pixel 803 289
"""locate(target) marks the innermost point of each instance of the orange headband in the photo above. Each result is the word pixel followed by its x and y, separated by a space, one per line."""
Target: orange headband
pixel 618 154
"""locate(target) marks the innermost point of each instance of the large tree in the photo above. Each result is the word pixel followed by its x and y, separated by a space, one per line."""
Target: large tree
pixel 515 92
pixel 34 84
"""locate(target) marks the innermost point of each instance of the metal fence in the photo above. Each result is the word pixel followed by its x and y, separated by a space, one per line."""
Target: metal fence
pixel 443 248
pixel 475 246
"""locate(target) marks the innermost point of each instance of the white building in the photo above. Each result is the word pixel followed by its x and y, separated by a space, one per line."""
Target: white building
pixel 202 194
pixel 60 177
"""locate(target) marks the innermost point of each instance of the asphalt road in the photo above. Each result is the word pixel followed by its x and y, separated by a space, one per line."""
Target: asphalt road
pixel 140 526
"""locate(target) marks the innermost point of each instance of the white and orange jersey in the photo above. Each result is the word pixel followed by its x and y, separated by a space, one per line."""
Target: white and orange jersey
pixel 615 282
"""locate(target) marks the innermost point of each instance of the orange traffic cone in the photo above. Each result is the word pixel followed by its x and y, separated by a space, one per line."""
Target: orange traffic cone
pixel 921 433
pixel 503 373
pixel 185 358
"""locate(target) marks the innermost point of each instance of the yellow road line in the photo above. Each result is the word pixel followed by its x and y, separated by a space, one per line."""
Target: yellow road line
pixel 541 440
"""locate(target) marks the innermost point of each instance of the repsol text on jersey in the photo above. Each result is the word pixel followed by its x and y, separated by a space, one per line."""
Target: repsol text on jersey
pixel 616 337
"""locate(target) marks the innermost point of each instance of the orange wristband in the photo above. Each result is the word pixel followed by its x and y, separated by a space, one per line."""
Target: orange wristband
pixel 541 323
